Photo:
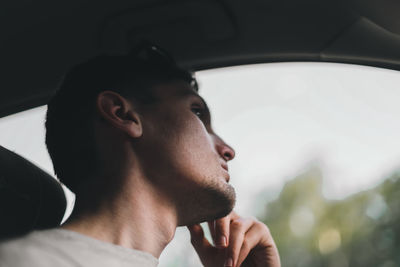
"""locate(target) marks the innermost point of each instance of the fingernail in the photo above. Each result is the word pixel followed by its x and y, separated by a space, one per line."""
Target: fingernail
pixel 221 241
pixel 228 262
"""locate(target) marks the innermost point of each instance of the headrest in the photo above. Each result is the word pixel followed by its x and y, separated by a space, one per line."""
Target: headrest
pixel 29 197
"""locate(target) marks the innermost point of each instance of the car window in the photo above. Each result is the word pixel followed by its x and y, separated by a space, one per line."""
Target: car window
pixel 317 158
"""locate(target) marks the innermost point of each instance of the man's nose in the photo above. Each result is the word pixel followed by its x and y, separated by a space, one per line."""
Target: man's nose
pixel 224 150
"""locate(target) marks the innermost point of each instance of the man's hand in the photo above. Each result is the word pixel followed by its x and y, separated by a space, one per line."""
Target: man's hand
pixel 238 242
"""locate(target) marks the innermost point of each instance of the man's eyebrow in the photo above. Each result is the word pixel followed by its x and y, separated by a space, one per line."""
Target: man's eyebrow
pixel 187 93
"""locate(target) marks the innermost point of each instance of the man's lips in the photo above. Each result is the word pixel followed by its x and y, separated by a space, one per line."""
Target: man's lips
pixel 225 167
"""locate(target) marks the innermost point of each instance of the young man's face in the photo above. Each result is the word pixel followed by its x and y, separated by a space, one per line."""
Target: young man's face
pixel 184 157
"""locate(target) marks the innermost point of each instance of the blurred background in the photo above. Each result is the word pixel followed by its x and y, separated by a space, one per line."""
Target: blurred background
pixel 317 158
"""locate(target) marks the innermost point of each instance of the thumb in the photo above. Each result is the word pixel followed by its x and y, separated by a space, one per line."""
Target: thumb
pixel 199 242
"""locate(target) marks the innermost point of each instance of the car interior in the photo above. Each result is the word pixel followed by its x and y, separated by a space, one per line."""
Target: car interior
pixel 40 40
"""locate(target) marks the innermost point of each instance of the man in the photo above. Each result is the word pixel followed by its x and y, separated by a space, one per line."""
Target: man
pixel 133 139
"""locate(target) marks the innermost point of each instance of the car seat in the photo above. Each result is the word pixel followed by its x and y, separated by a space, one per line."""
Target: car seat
pixel 30 198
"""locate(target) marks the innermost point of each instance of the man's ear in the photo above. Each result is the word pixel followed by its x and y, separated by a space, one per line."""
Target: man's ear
pixel 119 112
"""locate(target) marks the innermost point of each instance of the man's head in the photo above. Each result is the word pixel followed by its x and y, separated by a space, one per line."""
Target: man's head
pixel 115 114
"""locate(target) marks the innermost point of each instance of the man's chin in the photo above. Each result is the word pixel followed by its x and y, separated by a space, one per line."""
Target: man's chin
pixel 222 214
pixel 217 204
pixel 227 204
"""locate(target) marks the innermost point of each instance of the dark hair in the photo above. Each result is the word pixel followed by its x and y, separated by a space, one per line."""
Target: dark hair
pixel 69 120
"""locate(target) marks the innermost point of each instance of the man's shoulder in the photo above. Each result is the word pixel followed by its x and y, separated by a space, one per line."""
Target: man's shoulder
pixel 34 249
pixel 34 239
pixel 60 247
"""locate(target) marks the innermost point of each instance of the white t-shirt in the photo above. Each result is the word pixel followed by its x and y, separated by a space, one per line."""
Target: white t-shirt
pixel 64 248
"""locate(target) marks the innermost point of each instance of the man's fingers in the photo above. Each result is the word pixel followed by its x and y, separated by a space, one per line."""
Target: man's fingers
pixel 211 226
pixel 199 242
pixel 252 238
pixel 259 235
pixel 238 229
pixel 221 239
pixel 249 240
pixel 220 229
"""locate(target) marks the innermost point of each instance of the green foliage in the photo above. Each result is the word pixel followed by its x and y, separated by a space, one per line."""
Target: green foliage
pixel 361 230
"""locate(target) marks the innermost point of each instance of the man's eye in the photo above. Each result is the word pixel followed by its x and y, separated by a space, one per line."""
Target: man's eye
pixel 198 111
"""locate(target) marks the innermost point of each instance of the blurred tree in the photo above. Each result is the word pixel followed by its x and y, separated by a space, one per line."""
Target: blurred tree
pixel 361 230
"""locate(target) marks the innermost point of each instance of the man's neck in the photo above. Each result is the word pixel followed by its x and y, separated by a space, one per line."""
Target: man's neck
pixel 140 219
